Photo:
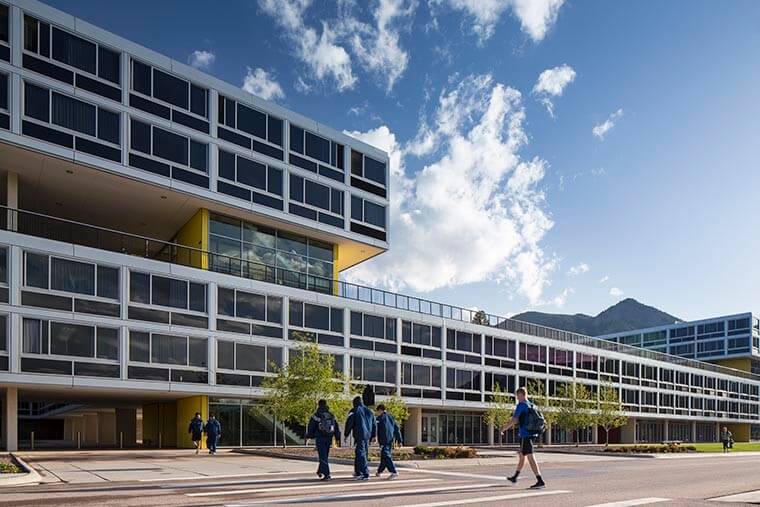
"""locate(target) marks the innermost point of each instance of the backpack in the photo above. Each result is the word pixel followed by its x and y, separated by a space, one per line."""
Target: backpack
pixel 326 424
pixel 534 420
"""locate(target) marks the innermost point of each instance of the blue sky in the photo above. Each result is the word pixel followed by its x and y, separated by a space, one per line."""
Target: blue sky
pixel 504 198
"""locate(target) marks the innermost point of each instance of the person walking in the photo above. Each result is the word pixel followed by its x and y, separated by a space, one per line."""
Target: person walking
pixel 727 438
pixel 196 431
pixel 361 425
pixel 387 433
pixel 530 424
pixel 323 428
pixel 213 430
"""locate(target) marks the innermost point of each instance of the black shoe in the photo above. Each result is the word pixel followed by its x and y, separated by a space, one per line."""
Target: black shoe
pixel 512 479
pixel 540 484
pixel 319 474
pixel 326 478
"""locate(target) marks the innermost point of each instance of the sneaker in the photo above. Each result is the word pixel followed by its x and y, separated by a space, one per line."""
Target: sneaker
pixel 326 478
pixel 512 479
pixel 363 478
pixel 378 474
pixel 540 484
pixel 319 474
pixel 393 476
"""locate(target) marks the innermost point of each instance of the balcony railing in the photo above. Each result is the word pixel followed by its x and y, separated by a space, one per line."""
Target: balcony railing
pixel 44 226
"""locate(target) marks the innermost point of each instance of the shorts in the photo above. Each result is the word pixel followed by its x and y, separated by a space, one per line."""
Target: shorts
pixel 526 445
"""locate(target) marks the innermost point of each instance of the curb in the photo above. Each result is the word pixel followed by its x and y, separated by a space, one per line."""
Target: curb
pixel 29 478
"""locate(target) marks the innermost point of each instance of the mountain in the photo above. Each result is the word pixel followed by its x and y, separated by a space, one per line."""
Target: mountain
pixel 626 315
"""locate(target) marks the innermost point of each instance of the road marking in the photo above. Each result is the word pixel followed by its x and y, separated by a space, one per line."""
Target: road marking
pixel 369 494
pixel 489 498
pixel 457 474
pixel 746 497
pixel 228 476
pixel 635 501
pixel 205 484
pixel 322 485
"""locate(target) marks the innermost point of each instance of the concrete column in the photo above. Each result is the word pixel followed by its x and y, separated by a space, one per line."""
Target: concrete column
pixel 595 434
pixel 491 430
pixel 413 427
pixel 548 434
pixel 628 432
pixel 666 430
pixel 10 419
pixel 693 431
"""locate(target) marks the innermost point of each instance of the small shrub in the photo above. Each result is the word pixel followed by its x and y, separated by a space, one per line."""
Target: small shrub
pixel 10 468
pixel 422 449
pixel 445 452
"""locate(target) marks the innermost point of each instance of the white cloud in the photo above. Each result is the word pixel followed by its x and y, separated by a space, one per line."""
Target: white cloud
pixel 614 291
pixel 578 270
pixel 535 16
pixel 377 47
pixel 326 59
pixel 201 59
pixel 551 83
pixel 601 130
pixel 560 299
pixel 475 210
pixel 604 279
pixel 328 53
pixel 262 84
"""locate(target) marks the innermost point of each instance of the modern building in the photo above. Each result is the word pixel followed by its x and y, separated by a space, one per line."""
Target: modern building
pixel 166 236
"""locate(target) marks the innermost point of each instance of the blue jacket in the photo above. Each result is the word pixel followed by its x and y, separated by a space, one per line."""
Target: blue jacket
pixel 388 430
pixel 312 430
pixel 361 424
pixel 196 427
pixel 213 428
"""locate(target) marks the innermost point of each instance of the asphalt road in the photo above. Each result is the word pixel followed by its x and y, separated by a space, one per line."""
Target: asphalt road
pixel 582 482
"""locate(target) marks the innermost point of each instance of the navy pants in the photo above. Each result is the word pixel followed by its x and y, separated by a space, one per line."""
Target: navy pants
pixel 360 458
pixel 211 442
pixel 386 459
pixel 323 450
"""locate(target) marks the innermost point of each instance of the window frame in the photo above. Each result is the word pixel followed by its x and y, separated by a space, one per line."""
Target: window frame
pixel 222 116
pixel 331 189
pixel 150 334
pixel 45 328
pixel 50 124
pixel 151 304
pixel 333 148
pixel 190 139
pixel 363 221
pixel 49 290
pixel 268 369
pixel 169 105
pixel 98 45
pixel 362 176
pixel 267 167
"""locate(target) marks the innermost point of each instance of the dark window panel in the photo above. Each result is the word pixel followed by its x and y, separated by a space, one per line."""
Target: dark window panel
pixel 139 287
pixel 140 136
pixel 250 306
pixel 229 109
pixel 374 214
pixel 170 146
pixel 198 100
pixel 73 114
pixel 198 297
pixel 227 165
pixel 98 87
pixel 357 165
pixel 108 343
pixel 317 316
pixel 74 51
pixel 336 204
pixel 108 126
pixel 72 340
pixel 170 89
pixel 274 309
pixel 4 23
pixel 296 139
pixel 44 39
pixel 317 147
pixel 250 357
pixel 199 156
pixel 139 347
pixel 317 195
pixel 296 188
pixel 275 131
pixel 225 354
pixel 36 102
pixel 149 106
pixel 251 173
pixel 168 349
pixel 357 208
pixel 109 65
pixel 72 276
pixel 274 182
pixel 251 121
pixel 3 91
pixel 374 170
pixel 31 29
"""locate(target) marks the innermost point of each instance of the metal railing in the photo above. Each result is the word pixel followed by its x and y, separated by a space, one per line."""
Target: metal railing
pixel 68 231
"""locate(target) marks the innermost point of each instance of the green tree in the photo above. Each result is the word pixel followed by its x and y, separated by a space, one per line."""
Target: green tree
pixel 293 392
pixel 538 396
pixel 480 317
pixel 499 410
pixel 396 407
pixel 575 408
pixel 610 414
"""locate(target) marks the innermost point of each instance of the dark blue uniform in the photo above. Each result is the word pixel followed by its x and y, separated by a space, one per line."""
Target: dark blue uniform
pixel 322 440
pixel 361 425
pixel 213 430
pixel 387 432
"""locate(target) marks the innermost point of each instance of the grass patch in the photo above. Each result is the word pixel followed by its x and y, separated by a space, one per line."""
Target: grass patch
pixel 738 447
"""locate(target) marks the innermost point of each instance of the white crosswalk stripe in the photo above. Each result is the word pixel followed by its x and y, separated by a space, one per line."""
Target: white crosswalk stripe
pixel 317 485
pixel 363 495
pixel 484 499
pixel 223 476
pixel 632 502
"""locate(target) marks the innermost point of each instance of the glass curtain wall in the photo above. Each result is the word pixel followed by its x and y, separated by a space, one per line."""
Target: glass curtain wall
pixel 452 428
pixel 256 252
pixel 244 424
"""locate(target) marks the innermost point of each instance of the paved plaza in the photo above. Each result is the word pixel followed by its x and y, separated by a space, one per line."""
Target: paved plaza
pixel 147 478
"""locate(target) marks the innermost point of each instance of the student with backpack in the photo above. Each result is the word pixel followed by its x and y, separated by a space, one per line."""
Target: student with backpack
pixel 323 428
pixel 531 425
pixel 196 431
